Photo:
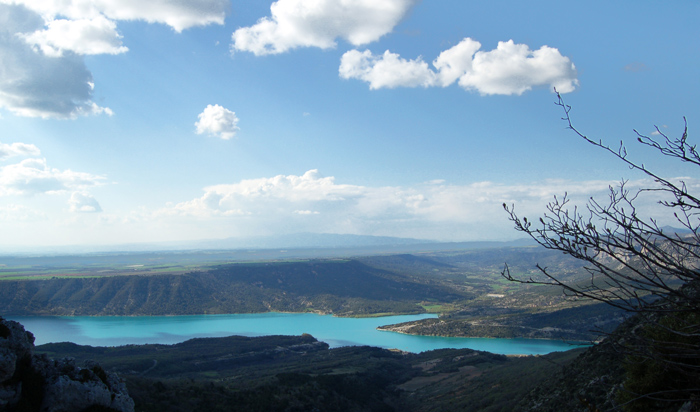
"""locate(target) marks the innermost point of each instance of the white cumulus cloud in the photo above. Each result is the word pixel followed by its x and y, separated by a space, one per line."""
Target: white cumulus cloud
pixel 454 62
pixel 42 43
pixel 85 36
pixel 256 196
pixel 318 23
pixel 514 68
pixel 35 85
pixel 33 176
pixel 83 203
pixel 312 202
pixel 385 71
pixel 217 121
pixel 507 70
pixel 178 14
pixel 18 149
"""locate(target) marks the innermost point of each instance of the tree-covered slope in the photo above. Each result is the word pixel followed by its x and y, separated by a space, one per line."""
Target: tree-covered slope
pixel 343 287
pixel 298 373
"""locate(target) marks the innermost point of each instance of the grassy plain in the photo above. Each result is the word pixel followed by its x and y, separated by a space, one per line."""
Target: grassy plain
pixel 92 271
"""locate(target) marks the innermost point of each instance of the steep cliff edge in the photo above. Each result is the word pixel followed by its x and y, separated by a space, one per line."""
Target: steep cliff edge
pixel 30 382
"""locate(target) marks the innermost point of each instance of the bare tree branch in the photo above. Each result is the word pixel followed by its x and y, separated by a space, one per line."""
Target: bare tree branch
pixel 632 263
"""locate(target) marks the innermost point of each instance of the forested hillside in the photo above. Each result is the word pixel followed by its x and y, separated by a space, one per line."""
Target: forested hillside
pixel 298 373
pixel 343 287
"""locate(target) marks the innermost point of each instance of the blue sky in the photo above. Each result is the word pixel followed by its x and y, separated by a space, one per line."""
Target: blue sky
pixel 206 119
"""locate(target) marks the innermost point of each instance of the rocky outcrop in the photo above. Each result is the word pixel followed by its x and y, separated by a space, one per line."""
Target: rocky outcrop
pixel 589 383
pixel 597 379
pixel 30 382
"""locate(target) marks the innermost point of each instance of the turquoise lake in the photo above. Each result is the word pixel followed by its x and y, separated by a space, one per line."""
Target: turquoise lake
pixel 123 330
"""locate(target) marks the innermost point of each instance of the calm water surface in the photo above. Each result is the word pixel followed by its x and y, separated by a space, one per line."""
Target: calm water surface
pixel 122 330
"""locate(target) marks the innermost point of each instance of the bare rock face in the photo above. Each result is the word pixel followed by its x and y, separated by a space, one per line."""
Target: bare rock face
pixel 16 348
pixel 15 344
pixel 31 382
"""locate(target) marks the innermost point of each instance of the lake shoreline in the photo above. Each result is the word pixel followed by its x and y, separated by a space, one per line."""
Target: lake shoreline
pixel 382 328
pixel 336 331
pixel 576 343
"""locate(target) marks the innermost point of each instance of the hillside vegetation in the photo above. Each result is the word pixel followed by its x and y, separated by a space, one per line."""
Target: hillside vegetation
pixel 334 286
pixel 298 373
pixel 464 287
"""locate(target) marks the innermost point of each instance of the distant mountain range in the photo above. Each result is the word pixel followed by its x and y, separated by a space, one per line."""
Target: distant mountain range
pixel 325 242
pixel 306 240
